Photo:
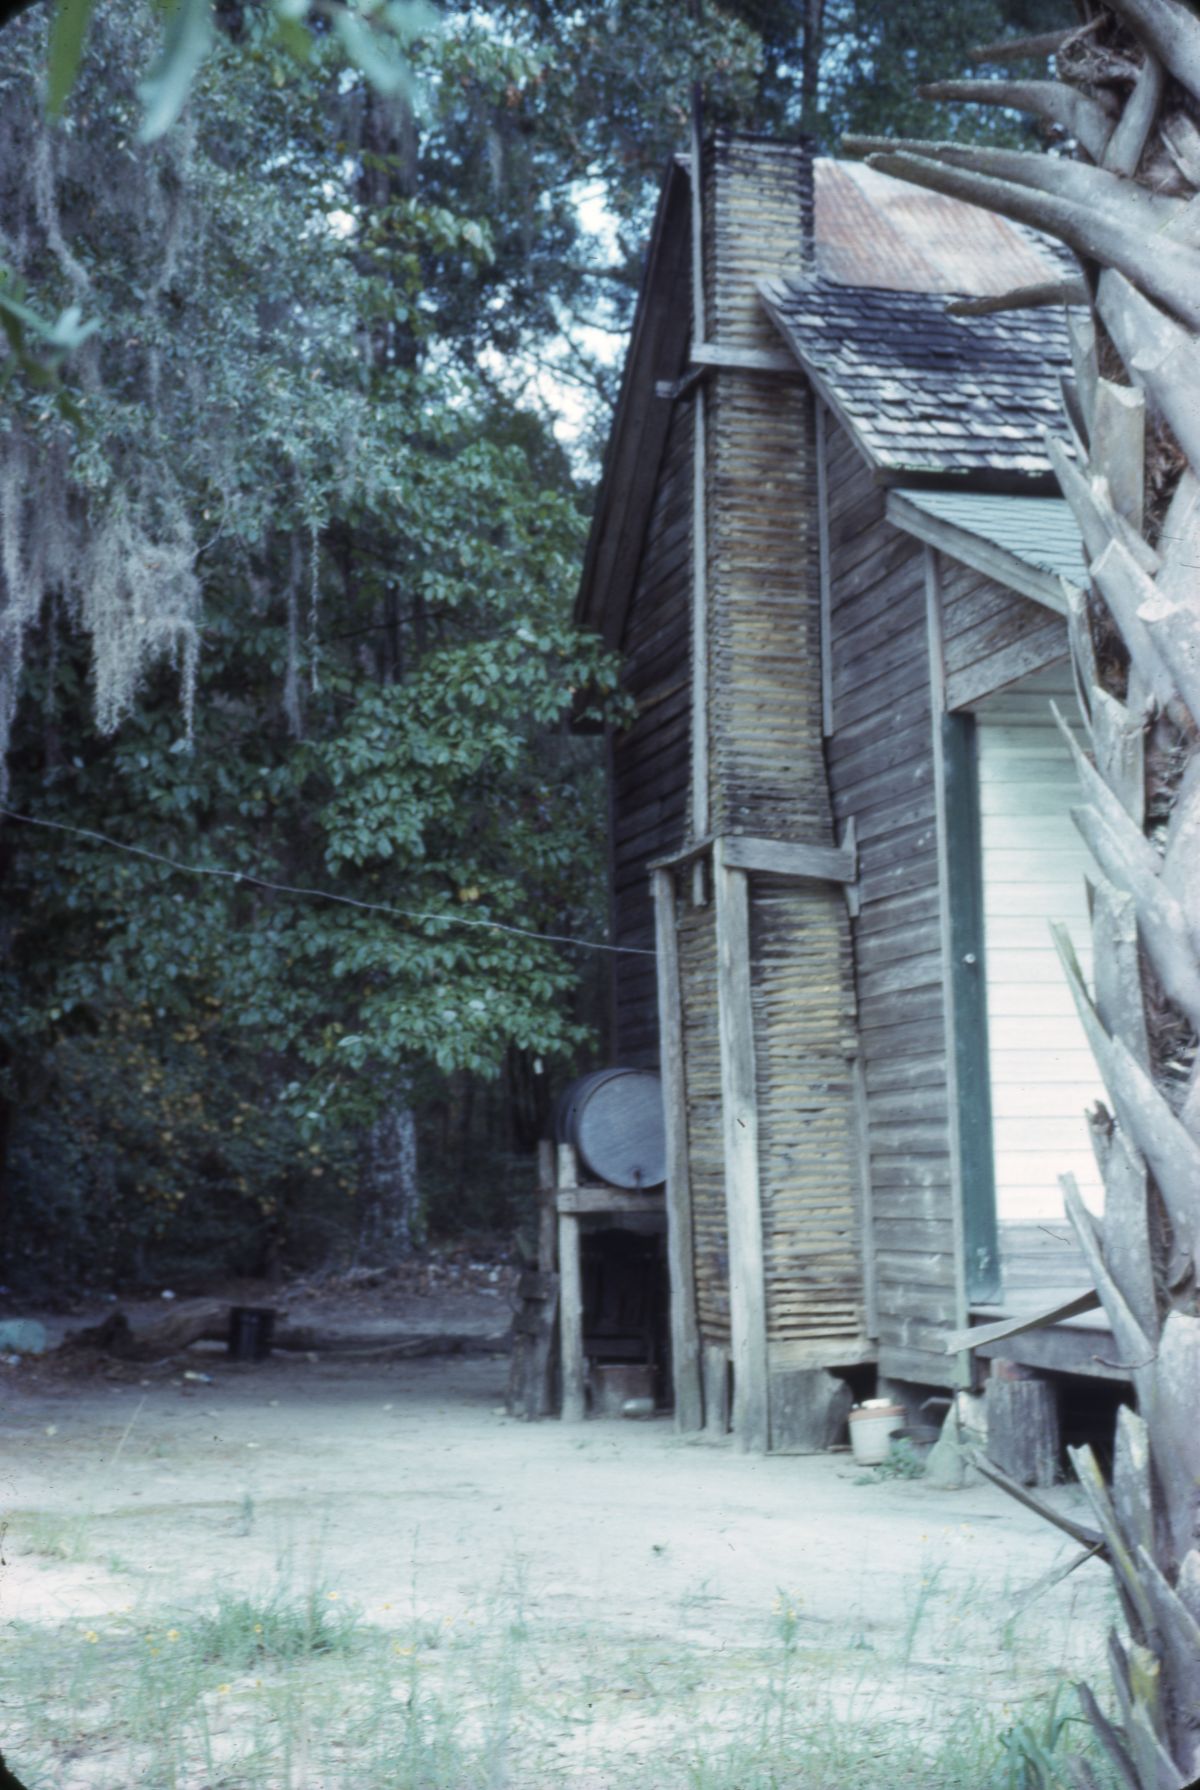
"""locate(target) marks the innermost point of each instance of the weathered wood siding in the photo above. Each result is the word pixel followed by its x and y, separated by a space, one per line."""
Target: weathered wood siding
pixel 881 767
pixel 702 1072
pixel 803 1038
pixel 650 759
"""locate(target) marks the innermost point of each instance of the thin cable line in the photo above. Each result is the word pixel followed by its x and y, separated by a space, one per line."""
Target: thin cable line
pixel 369 907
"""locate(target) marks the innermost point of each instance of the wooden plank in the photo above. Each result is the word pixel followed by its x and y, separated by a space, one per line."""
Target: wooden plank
pixel 745 360
pixel 700 665
pixel 978 1334
pixel 1032 652
pixel 685 1335
pixel 776 857
pixel 826 598
pixel 588 1202
pixel 937 687
pixel 570 1295
pixel 866 1210
pixel 739 1103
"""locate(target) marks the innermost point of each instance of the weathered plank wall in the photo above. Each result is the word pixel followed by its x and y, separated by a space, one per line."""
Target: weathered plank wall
pixel 803 1038
pixel 880 758
pixel 650 759
pixel 702 1074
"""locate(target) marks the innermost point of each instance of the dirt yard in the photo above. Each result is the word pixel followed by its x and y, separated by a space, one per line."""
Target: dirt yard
pixel 309 1574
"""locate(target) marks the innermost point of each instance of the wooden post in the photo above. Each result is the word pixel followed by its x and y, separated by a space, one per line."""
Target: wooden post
pixel 547 1255
pixel 739 1114
pixel 699 621
pixel 937 708
pixel 685 1340
pixel 1023 1437
pixel 866 1200
pixel 699 497
pixel 570 1307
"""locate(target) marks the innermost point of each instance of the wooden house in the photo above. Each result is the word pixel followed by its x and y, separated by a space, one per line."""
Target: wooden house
pixel 829 549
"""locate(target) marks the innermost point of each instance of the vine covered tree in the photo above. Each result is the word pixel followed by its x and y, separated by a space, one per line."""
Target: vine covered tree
pixel 1119 188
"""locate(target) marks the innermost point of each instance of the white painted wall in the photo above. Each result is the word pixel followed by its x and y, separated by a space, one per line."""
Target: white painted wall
pixel 1034 863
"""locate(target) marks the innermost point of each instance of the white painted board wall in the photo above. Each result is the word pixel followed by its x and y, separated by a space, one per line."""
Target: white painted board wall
pixel 1034 864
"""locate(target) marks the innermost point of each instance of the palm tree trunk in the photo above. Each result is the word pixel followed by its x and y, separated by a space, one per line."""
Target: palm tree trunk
pixel 1127 92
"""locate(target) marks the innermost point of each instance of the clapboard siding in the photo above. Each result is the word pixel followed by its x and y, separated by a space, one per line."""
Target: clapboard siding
pixel 650 760
pixel 803 1038
pixel 706 1149
pixel 881 773
pixel 1041 1070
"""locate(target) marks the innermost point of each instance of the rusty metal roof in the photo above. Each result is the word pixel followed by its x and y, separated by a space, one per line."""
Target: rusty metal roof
pixel 873 230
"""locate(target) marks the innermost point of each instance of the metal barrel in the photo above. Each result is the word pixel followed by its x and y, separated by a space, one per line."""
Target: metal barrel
pixel 613 1118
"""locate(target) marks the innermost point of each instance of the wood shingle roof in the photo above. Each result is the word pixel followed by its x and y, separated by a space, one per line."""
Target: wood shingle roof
pixel 925 392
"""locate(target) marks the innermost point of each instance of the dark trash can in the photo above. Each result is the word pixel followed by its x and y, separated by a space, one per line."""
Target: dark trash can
pixel 251 1330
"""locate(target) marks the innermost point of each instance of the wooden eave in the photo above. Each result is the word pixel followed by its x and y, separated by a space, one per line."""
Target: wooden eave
pixel 657 355
pixel 974 550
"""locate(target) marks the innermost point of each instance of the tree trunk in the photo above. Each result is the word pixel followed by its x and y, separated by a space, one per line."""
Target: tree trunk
pixel 1128 87
pixel 388 1179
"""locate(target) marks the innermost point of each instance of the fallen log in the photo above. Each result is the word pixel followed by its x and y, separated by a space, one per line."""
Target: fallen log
pixel 204 1321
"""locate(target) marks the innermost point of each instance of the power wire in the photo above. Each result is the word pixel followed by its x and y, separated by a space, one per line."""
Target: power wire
pixel 370 907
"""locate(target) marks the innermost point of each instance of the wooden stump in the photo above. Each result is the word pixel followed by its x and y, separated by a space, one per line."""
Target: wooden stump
pixel 531 1371
pixel 716 1390
pixel 808 1409
pixel 1023 1436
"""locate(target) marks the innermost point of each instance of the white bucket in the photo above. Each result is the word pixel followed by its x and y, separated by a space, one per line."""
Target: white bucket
pixel 871 1426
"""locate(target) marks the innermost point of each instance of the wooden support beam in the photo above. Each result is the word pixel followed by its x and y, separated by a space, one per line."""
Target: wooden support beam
pixel 866 1199
pixel 978 1335
pixel 681 1268
pixel 570 1295
pixel 739 1113
pixel 937 707
pixel 746 360
pixel 591 1202
pixel 700 668
pixel 779 857
pixel 824 562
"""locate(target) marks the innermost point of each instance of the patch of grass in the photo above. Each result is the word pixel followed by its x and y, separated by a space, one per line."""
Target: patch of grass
pixel 55 1536
pixel 290 1687
pixel 242 1632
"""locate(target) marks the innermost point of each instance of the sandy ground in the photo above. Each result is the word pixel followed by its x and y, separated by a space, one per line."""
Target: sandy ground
pixel 413 1496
